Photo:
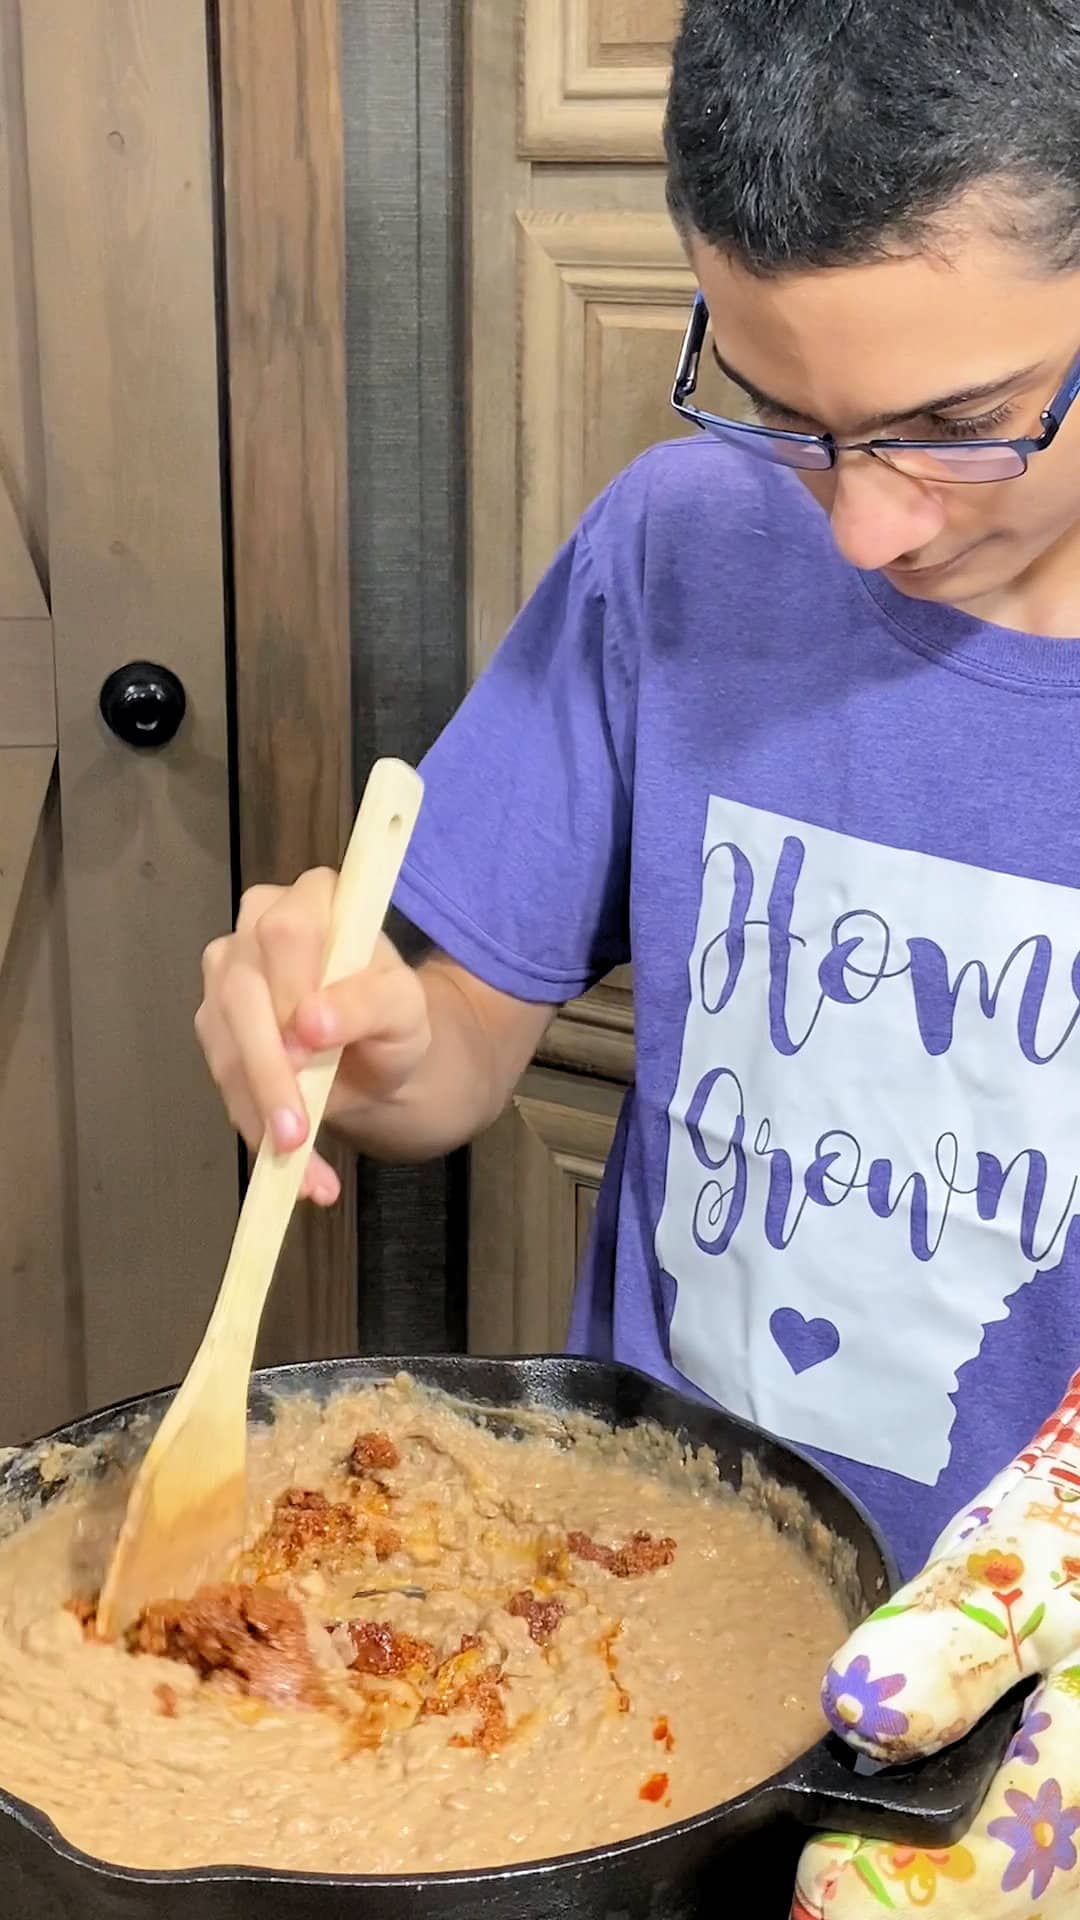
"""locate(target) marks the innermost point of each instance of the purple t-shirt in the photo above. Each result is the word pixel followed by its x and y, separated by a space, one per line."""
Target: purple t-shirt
pixel 837 833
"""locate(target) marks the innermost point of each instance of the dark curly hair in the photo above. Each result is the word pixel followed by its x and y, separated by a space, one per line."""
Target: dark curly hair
pixel 815 133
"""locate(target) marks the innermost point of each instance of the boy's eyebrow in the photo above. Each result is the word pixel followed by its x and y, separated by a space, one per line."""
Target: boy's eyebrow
pixel 769 404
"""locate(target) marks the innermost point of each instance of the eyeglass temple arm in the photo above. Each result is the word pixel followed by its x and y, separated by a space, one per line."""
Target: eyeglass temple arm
pixel 690 351
pixel 1063 398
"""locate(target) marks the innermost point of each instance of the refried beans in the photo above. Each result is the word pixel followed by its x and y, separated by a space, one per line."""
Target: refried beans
pixel 596 1639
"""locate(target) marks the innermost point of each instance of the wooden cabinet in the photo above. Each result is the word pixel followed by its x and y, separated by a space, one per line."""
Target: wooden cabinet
pixel 579 291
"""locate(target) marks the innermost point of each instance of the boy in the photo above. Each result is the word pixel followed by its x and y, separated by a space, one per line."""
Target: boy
pixel 792 724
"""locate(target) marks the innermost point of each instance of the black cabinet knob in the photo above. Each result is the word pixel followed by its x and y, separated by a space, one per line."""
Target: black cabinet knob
pixel 143 704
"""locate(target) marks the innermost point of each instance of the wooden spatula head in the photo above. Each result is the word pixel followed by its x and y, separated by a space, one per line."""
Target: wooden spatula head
pixel 180 1529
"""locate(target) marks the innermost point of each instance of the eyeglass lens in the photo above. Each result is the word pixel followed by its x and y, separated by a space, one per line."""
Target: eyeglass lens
pixel 946 463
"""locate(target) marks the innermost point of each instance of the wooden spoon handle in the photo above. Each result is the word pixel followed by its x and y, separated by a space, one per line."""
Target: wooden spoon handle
pixel 370 869
pixel 362 897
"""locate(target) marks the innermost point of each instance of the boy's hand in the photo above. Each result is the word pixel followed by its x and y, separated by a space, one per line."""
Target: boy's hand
pixel 262 1016
pixel 998 1601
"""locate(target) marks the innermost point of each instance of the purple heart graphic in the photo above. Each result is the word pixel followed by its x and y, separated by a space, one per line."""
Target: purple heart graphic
pixel 803 1343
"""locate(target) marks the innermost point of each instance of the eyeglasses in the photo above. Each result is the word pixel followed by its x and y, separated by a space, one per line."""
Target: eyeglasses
pixel 969 461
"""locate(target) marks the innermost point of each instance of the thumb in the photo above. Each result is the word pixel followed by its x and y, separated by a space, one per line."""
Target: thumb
pixel 997 1605
pixel 925 1668
pixel 384 1005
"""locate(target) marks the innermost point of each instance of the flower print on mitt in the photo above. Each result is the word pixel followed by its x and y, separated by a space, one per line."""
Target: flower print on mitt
pixel 997 1602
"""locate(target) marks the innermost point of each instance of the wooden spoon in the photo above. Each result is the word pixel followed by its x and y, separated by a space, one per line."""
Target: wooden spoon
pixel 186 1514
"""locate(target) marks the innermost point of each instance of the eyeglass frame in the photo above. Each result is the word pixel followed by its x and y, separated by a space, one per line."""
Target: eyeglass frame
pixel 1051 419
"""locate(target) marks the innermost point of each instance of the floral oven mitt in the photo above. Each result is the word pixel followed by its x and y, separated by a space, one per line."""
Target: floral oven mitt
pixel 998 1601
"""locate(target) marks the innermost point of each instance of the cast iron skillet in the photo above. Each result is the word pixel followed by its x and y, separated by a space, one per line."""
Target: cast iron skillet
pixel 678 1873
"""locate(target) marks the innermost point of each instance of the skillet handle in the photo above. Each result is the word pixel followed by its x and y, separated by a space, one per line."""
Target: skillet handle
pixel 929 1803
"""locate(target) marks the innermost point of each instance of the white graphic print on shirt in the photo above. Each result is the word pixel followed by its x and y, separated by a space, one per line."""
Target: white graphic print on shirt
pixel 875 1134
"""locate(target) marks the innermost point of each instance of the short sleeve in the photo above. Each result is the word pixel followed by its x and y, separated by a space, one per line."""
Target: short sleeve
pixel 519 864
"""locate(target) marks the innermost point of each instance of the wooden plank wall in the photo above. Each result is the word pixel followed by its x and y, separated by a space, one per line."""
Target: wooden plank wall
pixel 284 258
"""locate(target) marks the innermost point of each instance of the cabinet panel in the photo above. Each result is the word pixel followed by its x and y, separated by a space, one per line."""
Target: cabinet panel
pixel 594 78
pixel 606 301
pixel 535 1178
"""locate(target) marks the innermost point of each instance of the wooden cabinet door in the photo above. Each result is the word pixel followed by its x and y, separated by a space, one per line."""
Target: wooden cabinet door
pixel 118 1172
